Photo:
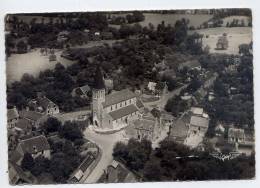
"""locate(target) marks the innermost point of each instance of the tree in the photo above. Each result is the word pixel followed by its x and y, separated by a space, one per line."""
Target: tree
pixel 152 171
pixel 51 125
pixel 21 47
pixel 71 131
pixel 41 165
pixel 27 162
pixel 244 49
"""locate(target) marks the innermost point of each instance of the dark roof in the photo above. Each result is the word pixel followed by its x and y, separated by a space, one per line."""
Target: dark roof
pixel 12 113
pixel 118 173
pixel 16 173
pixel 179 130
pixel 144 124
pixel 98 79
pixel 199 121
pixel 117 114
pixel 23 124
pixel 45 102
pixel 38 143
pixel 86 163
pixel 31 115
pixel 139 103
pixel 85 89
pixel 15 156
pixel 118 97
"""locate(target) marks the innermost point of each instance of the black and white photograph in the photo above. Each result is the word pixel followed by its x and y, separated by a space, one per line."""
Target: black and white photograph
pixel 130 96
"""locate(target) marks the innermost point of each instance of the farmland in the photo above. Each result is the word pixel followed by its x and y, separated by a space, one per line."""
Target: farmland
pixel 235 36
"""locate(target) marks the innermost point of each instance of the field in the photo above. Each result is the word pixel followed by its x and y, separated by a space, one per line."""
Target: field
pixel 32 62
pixel 230 19
pixel 157 18
pixel 235 36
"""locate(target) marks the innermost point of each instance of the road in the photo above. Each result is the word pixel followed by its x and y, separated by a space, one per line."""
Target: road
pixel 165 97
pixel 106 144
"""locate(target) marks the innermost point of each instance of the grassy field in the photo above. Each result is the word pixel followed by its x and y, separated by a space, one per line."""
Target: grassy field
pixel 32 63
pixel 157 18
pixel 235 36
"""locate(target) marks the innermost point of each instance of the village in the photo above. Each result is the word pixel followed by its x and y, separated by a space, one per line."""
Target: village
pixel 67 125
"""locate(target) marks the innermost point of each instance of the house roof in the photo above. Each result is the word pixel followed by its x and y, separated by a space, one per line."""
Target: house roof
pixel 37 143
pixel 144 124
pixel 118 173
pixel 45 102
pixel 86 163
pixel 237 133
pixel 117 114
pixel 16 173
pixel 190 64
pixel 12 114
pixel 118 97
pixel 23 124
pixel 197 110
pixel 15 156
pixel 199 121
pixel 139 103
pixel 85 89
pixel 179 130
pixel 31 115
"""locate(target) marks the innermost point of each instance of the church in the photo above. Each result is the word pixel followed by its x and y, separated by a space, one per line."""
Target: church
pixel 114 110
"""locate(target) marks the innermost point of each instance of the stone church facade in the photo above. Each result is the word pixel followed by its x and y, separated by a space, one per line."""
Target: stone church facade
pixel 114 110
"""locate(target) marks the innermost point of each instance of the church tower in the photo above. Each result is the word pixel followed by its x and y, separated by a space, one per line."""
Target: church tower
pixel 98 97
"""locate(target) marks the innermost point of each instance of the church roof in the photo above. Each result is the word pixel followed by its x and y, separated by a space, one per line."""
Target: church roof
pixel 118 97
pixel 117 114
pixel 98 79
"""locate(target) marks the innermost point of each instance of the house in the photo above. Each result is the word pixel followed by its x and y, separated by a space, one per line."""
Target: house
pixel 36 146
pixel 83 91
pixel 35 118
pixel 219 130
pixel 84 169
pixel 144 128
pixel 23 126
pixel 113 110
pixel 151 86
pixel 179 130
pixel 222 43
pixel 43 105
pixel 12 117
pixel 118 173
pixel 190 128
pixel 236 136
pixel 191 65
pixel 18 176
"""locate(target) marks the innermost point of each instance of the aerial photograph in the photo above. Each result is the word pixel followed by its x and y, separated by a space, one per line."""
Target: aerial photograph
pixel 130 96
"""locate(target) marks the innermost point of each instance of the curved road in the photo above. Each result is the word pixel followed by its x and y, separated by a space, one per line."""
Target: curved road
pixel 106 144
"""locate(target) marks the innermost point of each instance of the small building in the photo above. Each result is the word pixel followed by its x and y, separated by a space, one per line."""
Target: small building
pixel 18 176
pixel 23 126
pixel 83 91
pixel 236 135
pixel 43 105
pixel 35 118
pixel 118 173
pixel 84 169
pixel 219 130
pixel 36 146
pixel 12 117
pixel 199 124
pixel 109 84
pixel 191 65
pixel 222 43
